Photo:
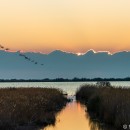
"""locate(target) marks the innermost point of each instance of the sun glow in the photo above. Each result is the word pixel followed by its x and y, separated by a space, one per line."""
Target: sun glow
pixel 79 54
pixel 70 25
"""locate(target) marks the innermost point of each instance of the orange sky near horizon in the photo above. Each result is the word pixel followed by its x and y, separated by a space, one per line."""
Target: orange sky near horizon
pixel 69 25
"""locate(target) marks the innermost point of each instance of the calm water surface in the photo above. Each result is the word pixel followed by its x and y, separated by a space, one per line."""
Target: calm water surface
pixel 73 116
pixel 69 87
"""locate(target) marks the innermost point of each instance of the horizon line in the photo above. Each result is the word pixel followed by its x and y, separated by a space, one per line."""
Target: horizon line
pixel 78 53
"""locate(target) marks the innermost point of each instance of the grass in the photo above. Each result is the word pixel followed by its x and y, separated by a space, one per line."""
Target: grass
pixel 29 108
pixel 110 105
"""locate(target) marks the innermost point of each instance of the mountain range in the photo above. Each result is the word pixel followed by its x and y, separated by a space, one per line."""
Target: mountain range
pixel 59 64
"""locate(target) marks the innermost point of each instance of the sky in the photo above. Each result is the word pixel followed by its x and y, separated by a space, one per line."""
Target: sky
pixel 68 25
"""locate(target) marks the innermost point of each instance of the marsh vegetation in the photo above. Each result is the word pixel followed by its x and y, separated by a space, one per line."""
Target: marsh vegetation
pixel 107 103
pixel 29 108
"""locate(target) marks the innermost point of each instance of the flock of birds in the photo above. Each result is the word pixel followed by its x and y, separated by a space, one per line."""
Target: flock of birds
pixel 22 55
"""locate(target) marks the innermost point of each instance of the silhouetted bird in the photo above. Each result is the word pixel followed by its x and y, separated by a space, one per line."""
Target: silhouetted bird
pixel 22 55
pixel 7 49
pixel 1 46
pixel 26 57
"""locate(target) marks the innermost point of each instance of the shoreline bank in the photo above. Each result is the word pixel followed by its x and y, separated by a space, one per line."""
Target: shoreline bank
pixel 108 104
pixel 29 108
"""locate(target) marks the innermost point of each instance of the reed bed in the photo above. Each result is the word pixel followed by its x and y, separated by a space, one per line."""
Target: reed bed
pixel 110 104
pixel 29 108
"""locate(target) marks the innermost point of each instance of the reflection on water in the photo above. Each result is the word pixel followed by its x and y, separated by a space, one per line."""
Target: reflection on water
pixel 95 125
pixel 74 117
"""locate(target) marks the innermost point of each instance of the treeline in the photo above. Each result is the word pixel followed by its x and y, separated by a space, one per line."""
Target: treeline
pixel 66 80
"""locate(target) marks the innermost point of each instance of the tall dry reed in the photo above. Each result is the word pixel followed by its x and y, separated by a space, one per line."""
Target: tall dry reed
pixel 21 107
pixel 110 104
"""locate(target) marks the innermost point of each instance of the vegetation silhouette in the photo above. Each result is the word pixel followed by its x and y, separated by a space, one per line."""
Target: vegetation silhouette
pixel 29 108
pixel 100 81
pixel 103 84
pixel 107 103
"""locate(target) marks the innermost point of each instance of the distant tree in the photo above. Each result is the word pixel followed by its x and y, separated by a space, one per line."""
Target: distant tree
pixel 103 84
pixel 75 79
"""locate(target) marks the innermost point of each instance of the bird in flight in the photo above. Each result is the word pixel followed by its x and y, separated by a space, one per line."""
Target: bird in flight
pixel 1 47
pixel 22 55
pixel 7 49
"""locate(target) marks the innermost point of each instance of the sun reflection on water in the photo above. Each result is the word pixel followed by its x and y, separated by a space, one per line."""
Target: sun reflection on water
pixel 73 117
